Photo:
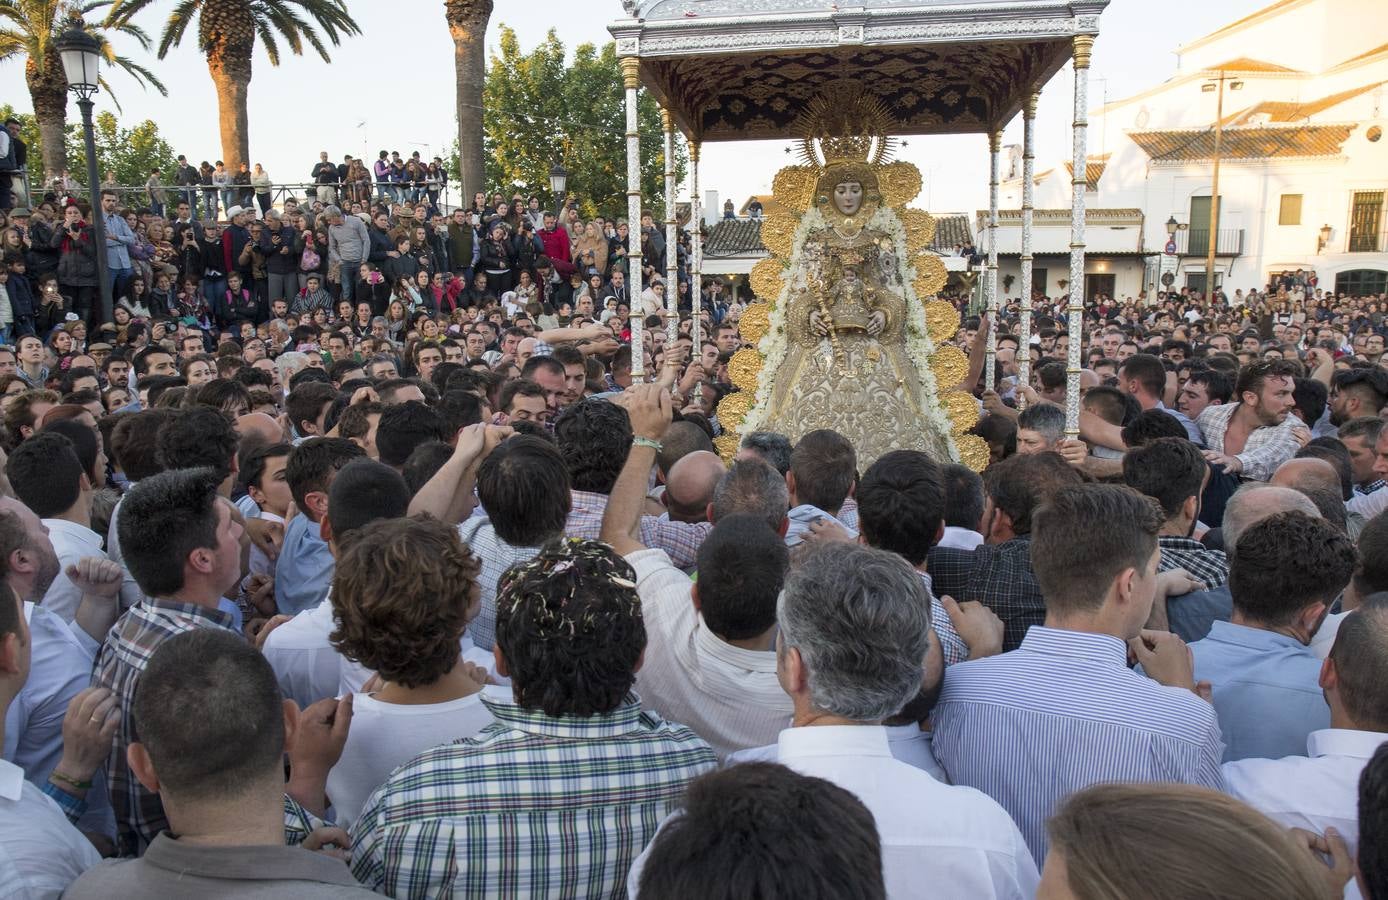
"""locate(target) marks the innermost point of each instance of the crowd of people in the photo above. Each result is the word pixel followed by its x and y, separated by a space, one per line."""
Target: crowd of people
pixel 352 558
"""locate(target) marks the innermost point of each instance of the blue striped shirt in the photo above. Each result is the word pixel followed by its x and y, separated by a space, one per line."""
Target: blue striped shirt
pixel 1062 712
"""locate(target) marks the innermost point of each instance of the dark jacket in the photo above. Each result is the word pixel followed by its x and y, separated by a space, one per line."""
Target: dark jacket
pixel 400 268
pixel 41 257
pixel 381 245
pixel 281 258
pixel 77 259
pixel 21 303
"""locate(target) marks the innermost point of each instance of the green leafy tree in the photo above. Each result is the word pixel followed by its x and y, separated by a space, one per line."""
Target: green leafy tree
pixel 227 34
pixel 128 155
pixel 541 110
pixel 30 29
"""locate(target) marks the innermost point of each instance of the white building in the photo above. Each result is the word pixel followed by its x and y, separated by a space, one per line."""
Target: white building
pixel 1303 171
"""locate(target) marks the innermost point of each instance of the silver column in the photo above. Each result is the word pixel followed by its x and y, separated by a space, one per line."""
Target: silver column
pixel 631 78
pixel 1028 202
pixel 1074 320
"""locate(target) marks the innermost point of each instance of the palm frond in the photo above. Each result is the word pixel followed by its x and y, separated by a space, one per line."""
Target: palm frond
pixel 110 93
pixel 141 74
pixel 267 39
pixel 180 18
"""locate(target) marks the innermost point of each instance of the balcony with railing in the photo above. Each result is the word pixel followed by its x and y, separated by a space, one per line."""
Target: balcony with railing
pixel 1196 242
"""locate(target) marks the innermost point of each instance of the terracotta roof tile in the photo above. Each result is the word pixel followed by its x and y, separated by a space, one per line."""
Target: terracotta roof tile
pixel 1257 142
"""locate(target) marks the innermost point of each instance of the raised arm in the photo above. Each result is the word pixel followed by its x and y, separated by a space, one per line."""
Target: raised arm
pixel 649 407
pixel 448 496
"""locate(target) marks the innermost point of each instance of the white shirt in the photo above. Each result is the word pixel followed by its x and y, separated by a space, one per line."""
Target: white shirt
pixel 1315 791
pixel 729 696
pixel 305 664
pixel 1325 635
pixel 130 592
pixel 258 563
pixel 40 852
pixel 385 736
pixel 960 538
pixel 71 542
pixel 60 667
pixel 955 840
pixel 908 743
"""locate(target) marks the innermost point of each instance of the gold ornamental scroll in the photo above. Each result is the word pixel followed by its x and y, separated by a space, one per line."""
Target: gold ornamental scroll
pixel 778 234
pixel 931 277
pixel 767 278
pixel 793 188
pixel 941 321
pixel 755 322
pixel 900 183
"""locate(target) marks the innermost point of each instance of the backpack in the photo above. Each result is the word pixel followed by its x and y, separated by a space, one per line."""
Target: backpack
pixel 310 261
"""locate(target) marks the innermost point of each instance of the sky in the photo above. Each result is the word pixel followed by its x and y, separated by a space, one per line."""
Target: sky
pixel 392 88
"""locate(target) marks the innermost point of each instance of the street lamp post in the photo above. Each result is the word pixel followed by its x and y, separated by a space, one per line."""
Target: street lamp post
pixel 1216 85
pixel 558 185
pixel 81 55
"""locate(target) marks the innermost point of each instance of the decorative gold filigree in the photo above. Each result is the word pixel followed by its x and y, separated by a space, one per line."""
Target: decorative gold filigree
pixel 778 233
pixel 941 321
pixel 900 183
pixel 728 443
pixel 920 228
pixel 962 410
pixel 931 276
pixel 845 123
pixel 793 187
pixel 733 408
pixel 755 322
pixel 950 366
pixel 766 279
pixel 973 451
pixel 745 366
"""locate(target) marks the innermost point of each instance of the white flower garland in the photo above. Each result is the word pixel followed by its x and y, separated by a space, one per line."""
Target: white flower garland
pixel 919 347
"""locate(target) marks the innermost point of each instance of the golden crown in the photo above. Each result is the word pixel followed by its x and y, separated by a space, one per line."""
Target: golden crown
pixel 845 124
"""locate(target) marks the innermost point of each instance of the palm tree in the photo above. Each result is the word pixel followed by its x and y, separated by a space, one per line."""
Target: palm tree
pixel 467 23
pixel 30 28
pixel 227 33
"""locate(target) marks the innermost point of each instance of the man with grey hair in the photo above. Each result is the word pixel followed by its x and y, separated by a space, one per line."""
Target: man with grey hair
pixel 769 446
pixel 1191 615
pixel 1040 428
pixel 752 486
pixel 853 643
pixel 349 245
pixel 286 364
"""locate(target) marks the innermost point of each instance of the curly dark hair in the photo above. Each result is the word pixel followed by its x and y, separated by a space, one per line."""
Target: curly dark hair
pixel 403 591
pixel 594 437
pixel 569 626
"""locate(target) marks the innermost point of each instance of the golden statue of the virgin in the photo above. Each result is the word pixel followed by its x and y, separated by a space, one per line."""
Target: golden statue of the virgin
pixel 850 342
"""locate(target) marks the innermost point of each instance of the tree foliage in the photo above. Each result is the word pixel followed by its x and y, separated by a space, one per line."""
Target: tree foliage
pixel 128 154
pixel 540 110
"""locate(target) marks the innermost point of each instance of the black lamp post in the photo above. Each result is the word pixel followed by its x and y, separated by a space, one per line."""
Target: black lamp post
pixel 558 185
pixel 81 55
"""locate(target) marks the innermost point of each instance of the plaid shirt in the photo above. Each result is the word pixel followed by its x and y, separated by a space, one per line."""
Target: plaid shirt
pixel 533 806
pixel 1210 566
pixel 1370 487
pixel 997 575
pixel 679 540
pixel 1267 447
pixel 124 655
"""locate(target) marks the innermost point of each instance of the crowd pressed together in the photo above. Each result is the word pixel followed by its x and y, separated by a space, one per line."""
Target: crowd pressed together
pixel 351 558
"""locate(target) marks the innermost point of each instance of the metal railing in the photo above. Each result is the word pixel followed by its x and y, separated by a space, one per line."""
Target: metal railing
pixel 1366 241
pixel 1196 242
pixel 245 195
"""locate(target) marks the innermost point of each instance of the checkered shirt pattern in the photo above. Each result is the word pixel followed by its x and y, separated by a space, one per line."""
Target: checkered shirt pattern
pixel 121 659
pixel 997 575
pixel 533 806
pixel 679 540
pixel 1210 566
pixel 1266 448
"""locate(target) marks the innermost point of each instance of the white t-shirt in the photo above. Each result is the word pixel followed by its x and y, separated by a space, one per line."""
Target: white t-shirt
pixel 385 736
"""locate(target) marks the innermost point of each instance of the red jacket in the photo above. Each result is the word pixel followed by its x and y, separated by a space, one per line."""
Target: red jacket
pixel 556 244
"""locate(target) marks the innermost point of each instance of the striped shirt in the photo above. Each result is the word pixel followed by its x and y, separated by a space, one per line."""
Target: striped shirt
pixel 1063 712
pixel 533 806
pixel 122 658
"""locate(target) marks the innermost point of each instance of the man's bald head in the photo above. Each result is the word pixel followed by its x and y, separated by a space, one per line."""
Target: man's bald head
pixel 680 440
pixel 259 427
pixel 1318 480
pixel 1256 501
pixel 689 486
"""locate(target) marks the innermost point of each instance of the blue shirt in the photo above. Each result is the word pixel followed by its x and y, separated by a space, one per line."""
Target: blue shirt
pixel 1266 690
pixel 304 569
pixel 119 238
pixel 1062 712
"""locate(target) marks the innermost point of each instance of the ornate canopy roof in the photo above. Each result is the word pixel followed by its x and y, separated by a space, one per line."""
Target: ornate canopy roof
pixel 745 69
